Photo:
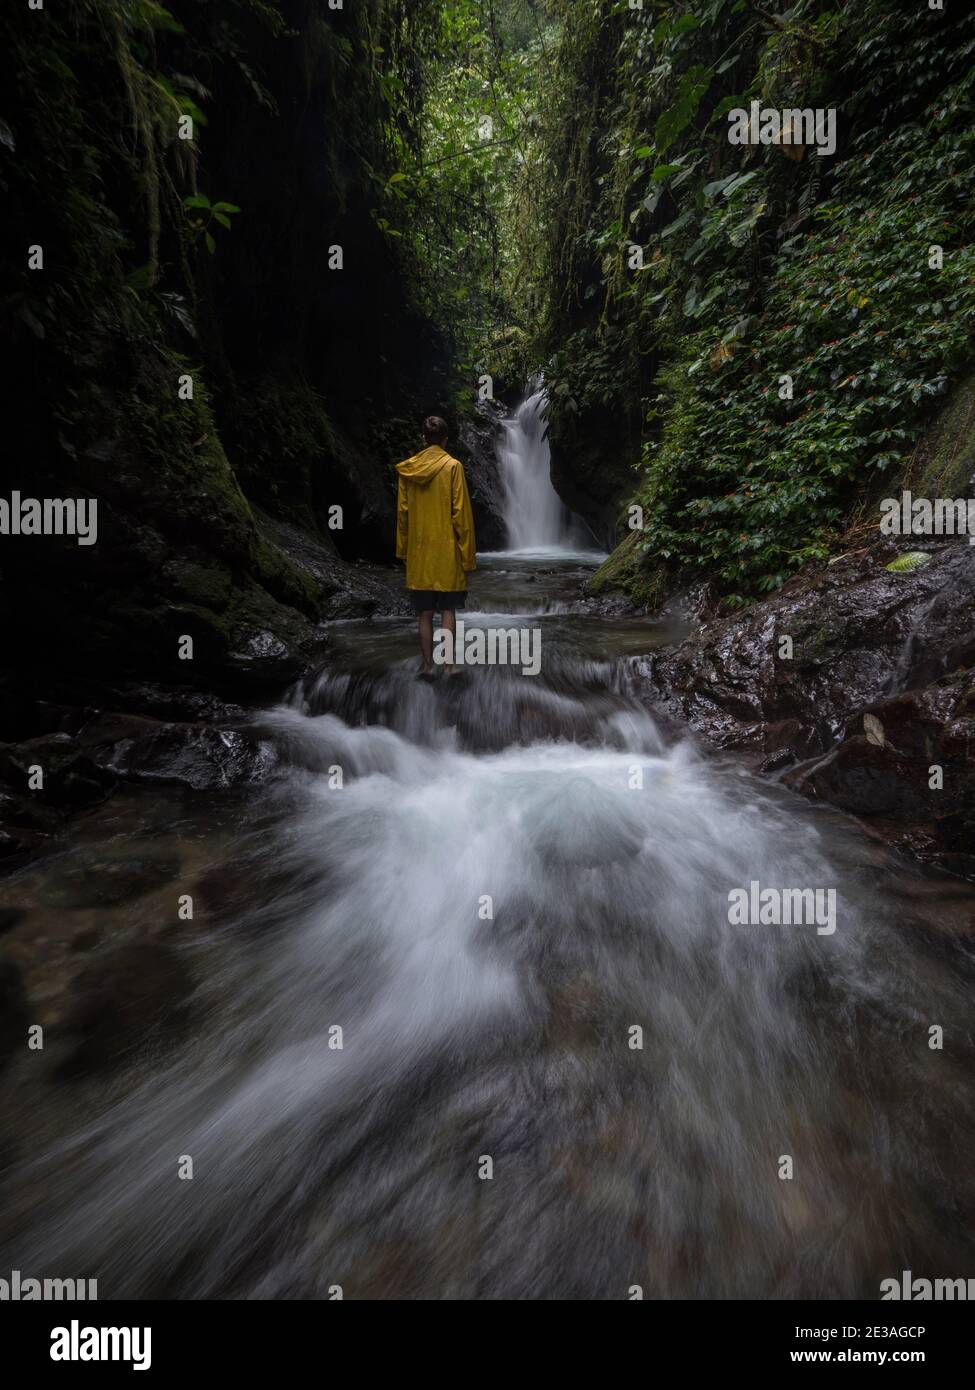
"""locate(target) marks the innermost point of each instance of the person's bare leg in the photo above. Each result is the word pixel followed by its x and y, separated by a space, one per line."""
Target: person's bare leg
pixel 426 642
pixel 449 619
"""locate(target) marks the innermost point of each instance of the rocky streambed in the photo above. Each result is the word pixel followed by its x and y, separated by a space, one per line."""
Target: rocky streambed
pixel 853 685
pixel 869 707
pixel 870 703
pixel 234 958
pixel 200 905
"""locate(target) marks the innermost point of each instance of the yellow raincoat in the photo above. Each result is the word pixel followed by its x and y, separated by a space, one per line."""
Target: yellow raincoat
pixel 434 523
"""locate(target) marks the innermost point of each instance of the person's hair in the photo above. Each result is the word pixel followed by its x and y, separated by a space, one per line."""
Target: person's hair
pixel 435 430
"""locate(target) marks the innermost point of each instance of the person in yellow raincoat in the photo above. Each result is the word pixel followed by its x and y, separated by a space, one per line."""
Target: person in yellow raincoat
pixel 434 535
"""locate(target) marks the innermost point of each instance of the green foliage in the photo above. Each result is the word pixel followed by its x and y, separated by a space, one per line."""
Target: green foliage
pixel 670 123
pixel 501 161
pixel 466 187
pixel 758 263
pixel 909 562
pixel 204 215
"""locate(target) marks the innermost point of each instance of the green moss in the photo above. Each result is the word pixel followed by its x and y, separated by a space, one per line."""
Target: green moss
pixel 946 458
pixel 203 585
pixel 283 578
pixel 625 571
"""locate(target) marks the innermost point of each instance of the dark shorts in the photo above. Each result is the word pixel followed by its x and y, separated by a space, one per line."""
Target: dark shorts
pixel 433 600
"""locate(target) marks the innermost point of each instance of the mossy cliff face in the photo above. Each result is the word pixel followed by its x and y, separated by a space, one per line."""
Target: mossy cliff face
pixel 941 464
pixel 944 465
pixel 179 387
pixel 322 364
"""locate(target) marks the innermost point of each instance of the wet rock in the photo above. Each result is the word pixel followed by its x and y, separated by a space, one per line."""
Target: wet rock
pixel 263 658
pixel 71 778
pixel 29 818
pixel 691 603
pixel 877 692
pixel 82 770
pixel 345 606
pixel 198 756
pixel 171 704
pixel 104 731
pixel 590 463
pixel 864 777
pixel 610 605
pixel 781 741
pixel 24 716
pixel 479 436
pixel 18 844
pixel 342 590
pixel 858 633
pixel 911 765
pixel 133 993
pixel 27 810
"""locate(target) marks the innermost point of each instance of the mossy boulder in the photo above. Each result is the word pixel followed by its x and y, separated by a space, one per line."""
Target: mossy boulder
pixel 630 569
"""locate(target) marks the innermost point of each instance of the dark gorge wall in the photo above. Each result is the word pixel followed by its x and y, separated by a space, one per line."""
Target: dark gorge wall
pixel 306 383
pixel 322 370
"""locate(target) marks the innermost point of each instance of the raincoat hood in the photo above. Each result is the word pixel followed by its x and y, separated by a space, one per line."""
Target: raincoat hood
pixel 424 465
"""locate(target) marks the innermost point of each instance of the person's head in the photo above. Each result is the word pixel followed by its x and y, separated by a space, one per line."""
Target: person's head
pixel 435 430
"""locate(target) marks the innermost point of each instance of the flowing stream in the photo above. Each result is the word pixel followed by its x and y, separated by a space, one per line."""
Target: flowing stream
pixel 514 875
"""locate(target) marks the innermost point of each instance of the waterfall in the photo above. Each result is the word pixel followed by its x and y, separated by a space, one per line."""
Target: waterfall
pixel 535 515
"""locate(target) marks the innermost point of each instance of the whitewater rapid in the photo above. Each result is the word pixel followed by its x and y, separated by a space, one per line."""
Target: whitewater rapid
pixel 464 944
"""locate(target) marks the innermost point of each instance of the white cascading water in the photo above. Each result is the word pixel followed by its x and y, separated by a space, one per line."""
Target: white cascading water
pixel 510 1033
pixel 534 513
